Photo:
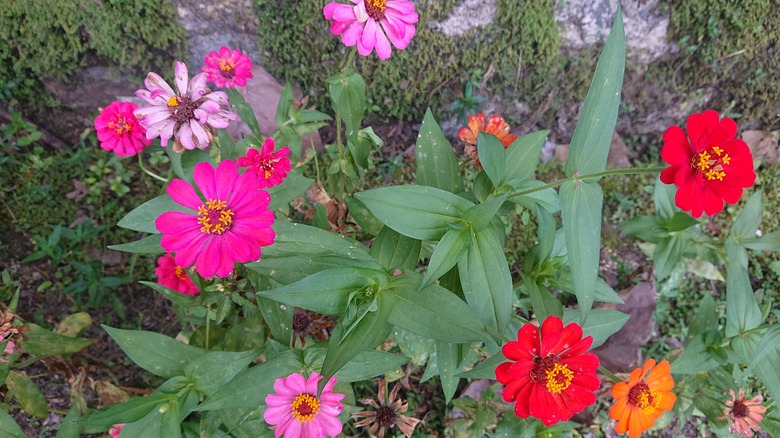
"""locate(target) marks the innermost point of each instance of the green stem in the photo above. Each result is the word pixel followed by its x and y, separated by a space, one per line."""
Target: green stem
pixel 612 172
pixel 149 172
pixel 349 61
pixel 609 374
pixel 208 324
pixel 30 361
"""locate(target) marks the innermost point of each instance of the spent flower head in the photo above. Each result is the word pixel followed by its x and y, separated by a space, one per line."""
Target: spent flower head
pixel 478 123
pixel 386 413
pixel 744 415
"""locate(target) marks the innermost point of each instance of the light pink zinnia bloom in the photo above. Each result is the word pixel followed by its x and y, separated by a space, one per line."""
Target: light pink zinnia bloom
pixel 187 114
pixel 744 415
pixel 230 226
pixel 227 68
pixel 173 276
pixel 295 411
pixel 269 166
pixel 116 430
pixel 369 23
pixel 118 129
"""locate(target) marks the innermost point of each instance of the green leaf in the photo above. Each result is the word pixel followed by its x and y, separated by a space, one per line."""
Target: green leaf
pixel 278 317
pixel 433 312
pixel 177 298
pixel 486 369
pixel 522 156
pixel 250 388
pixel 644 228
pixel 285 105
pixel 448 357
pixel 8 426
pixel 28 394
pixel 667 254
pixel 68 428
pixel 742 311
pixel 601 324
pixel 244 110
pixel 394 250
pixel 705 319
pixel 183 163
pixel 546 199
pixel 125 412
pixel 147 245
pixel 435 161
pixel 491 154
pixel 419 212
pixel 486 281
pixel 581 212
pixel 143 217
pixel 365 365
pixel 41 342
pixel 450 249
pixel 663 198
pixel 769 344
pixel 543 302
pixel 593 134
pixel 154 352
pixel 348 94
pixel 228 149
pixel 293 186
pixel 214 369
pixel 767 242
pixel 327 291
pixel 748 220
pixel 170 421
pixel 694 359
pixel 363 217
pixel 480 215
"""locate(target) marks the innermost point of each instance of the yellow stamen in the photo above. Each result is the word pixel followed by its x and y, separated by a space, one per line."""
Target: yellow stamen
pixel 180 273
pixel 226 65
pixel 214 217
pixel 649 400
pixel 377 4
pixel 305 407
pixel 558 378
pixel 726 159
pixel 173 102
pixel 717 150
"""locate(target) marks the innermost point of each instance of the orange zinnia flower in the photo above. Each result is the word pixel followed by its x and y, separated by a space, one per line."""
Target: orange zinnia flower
pixel 477 122
pixel 641 400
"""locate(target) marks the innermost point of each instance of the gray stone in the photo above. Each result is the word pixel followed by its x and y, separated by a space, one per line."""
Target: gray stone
pixel 466 16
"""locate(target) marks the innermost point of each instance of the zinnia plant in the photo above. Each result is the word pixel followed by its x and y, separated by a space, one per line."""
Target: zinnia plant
pixel 173 276
pixel 551 376
pixel 296 410
pixel 744 415
pixel 268 166
pixel 641 400
pixel 119 131
pixel 229 226
pixel 708 164
pixel 227 68
pixel 369 24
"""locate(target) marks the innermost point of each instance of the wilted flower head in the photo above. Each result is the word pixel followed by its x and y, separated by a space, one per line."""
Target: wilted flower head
pixel 227 68
pixel 7 328
pixel 118 129
pixel 477 123
pixel 743 415
pixel 173 276
pixel 369 23
pixel 187 115
pixel 296 411
pixel 386 413
pixel 270 167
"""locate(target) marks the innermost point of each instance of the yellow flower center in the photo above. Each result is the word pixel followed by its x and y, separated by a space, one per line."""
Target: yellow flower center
pixel 120 126
pixel 226 65
pixel 646 399
pixel 558 378
pixel 305 407
pixel 214 217
pixel 173 102
pixel 180 273
pixel 376 9
pixel 710 163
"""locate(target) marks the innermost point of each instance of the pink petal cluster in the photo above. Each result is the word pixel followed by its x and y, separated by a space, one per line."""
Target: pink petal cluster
pixel 227 68
pixel 116 430
pixel 295 411
pixel 118 129
pixel 173 276
pixel 270 167
pixel 187 114
pixel 10 348
pixel 369 24
pixel 229 226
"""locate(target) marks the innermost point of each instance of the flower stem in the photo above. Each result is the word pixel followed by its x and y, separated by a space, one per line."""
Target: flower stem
pixel 609 374
pixel 611 172
pixel 149 172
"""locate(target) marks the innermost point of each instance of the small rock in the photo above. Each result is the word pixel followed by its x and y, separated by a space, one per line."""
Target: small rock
pixel 467 15
pixel 763 145
pixel 618 152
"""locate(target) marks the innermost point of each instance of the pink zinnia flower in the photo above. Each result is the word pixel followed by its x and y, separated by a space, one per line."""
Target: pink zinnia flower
pixel 227 68
pixel 116 430
pixel 744 415
pixel 295 411
pixel 118 129
pixel 269 166
pixel 230 226
pixel 369 23
pixel 188 114
pixel 173 276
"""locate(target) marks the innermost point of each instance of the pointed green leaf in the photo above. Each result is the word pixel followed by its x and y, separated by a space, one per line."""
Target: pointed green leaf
pixel 419 212
pixel 278 317
pixel 363 217
pixel 435 161
pixel 601 324
pixel 668 253
pixel 177 298
pixel 244 110
pixel 448 357
pixel 644 228
pixel 486 369
pixel 43 342
pixel 125 412
pixel 480 215
pixel 543 302
pixel 8 426
pixel 367 364
pixel 522 156
pixel 147 245
pixel 28 394
pixel 348 94
pixel 767 242
pixel 394 250
pixel 491 155
pixel 448 252
pixel 593 134
pixel 663 198
pixel 170 423
pixel 143 217
pixel 154 352
pixel 285 105
pixel 228 149
pixel 546 199
pixel 581 213
pixel 293 186
pixel 183 163
pixel 742 311
pixel 214 369
pixel 748 220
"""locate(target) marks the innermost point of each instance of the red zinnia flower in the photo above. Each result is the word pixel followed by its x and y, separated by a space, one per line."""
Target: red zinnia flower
pixel 709 165
pixel 477 122
pixel 552 377
pixel 269 166
pixel 173 276
pixel 119 130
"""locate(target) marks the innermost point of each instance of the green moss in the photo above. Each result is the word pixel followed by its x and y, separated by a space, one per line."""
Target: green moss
pixel 520 48
pixel 54 38
pixel 733 48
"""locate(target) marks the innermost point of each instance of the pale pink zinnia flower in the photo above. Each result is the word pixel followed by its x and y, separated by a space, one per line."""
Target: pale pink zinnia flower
pixel 116 430
pixel 270 167
pixel 188 114
pixel 173 276
pixel 227 68
pixel 295 411
pixel 369 24
pixel 118 129
pixel 743 415
pixel 230 226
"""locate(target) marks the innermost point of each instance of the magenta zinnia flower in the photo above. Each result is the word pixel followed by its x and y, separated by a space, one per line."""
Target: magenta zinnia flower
pixel 230 226
pixel 116 430
pixel 369 23
pixel 295 411
pixel 188 114
pixel 118 129
pixel 227 68
pixel 270 167
pixel 173 276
